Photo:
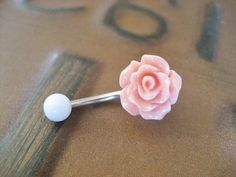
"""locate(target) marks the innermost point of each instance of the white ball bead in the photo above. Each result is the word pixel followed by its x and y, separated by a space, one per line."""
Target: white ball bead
pixel 57 107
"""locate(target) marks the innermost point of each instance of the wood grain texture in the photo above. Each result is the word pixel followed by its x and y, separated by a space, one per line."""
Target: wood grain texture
pixel 23 149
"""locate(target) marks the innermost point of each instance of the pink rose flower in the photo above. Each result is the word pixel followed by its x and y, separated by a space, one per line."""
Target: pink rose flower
pixel 149 87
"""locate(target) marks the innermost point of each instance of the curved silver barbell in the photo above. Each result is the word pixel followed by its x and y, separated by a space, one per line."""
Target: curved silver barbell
pixel 57 107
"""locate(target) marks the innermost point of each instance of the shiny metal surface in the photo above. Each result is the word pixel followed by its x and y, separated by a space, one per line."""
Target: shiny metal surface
pixel 96 99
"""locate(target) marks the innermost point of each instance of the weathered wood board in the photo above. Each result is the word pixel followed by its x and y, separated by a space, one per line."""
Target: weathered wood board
pixel 79 47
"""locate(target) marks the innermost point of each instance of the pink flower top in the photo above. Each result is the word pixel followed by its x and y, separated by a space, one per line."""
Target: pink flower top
pixel 149 87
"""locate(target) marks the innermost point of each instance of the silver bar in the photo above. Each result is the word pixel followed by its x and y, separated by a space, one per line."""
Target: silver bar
pixel 96 99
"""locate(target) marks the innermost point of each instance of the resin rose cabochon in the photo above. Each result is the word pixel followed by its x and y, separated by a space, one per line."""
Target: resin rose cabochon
pixel 149 87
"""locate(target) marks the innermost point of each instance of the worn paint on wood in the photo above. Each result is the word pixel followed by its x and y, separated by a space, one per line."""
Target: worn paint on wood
pixel 43 9
pixel 25 146
pixel 207 44
pixel 111 15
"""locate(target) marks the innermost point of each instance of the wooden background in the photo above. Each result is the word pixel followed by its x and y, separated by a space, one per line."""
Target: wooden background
pixel 78 48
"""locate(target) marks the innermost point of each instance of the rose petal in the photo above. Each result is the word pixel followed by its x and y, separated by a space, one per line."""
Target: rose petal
pixel 125 75
pixel 135 98
pixel 157 62
pixel 149 82
pixel 151 91
pixel 126 104
pixel 158 113
pixel 175 86
pixel 164 87
pixel 143 70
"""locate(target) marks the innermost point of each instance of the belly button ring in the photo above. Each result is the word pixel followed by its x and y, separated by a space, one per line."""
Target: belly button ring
pixel 149 88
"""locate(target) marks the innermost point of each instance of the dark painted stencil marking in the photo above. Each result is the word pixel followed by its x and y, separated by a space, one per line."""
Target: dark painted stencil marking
pixel 24 148
pixel 110 20
pixel 207 44
pixel 43 9
pixel 173 2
